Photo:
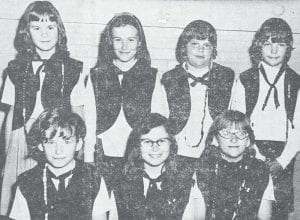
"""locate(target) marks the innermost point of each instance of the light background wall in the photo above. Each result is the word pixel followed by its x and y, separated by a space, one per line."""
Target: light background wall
pixel 163 21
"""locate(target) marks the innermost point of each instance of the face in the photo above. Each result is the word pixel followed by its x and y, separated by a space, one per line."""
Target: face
pixel 44 35
pixel 125 41
pixel 199 53
pixel 155 146
pixel 60 151
pixel 233 142
pixel 273 53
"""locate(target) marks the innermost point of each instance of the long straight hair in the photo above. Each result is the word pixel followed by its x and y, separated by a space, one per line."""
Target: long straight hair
pixel 35 12
pixel 106 53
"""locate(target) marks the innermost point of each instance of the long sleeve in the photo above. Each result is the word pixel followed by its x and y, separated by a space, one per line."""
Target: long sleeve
pixel 159 102
pixel 293 142
pixel 103 203
pixel 20 210
pixel 90 120
pixel 237 101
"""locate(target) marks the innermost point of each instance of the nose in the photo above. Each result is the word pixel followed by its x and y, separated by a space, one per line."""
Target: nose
pixel 155 146
pixel 124 45
pixel 233 138
pixel 274 48
pixel 58 149
pixel 44 33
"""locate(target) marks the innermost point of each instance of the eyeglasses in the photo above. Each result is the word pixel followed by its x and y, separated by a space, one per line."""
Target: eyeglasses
pixel 160 142
pixel 205 46
pixel 227 134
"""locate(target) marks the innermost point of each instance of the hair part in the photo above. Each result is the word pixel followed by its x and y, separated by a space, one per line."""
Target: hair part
pixel 51 121
pixel 134 162
pixel 227 120
pixel 200 30
pixel 37 11
pixel 280 32
pixel 106 53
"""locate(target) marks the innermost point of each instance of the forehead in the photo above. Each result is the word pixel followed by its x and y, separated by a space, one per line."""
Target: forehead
pixel 156 133
pixel 125 31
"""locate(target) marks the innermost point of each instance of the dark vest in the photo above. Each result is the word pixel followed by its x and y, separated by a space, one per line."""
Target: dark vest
pixel 134 94
pixel 221 191
pixel 75 203
pixel 169 204
pixel 51 95
pixel 178 93
pixel 250 81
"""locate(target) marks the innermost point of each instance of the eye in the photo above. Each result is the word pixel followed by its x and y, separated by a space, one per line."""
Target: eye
pixel 132 39
pixel 241 134
pixel 282 44
pixel 267 44
pixel 49 142
pixel 51 27
pixel 116 39
pixel 35 28
pixel 68 141
pixel 207 46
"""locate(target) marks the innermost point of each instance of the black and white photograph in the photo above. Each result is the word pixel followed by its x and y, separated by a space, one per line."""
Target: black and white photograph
pixel 150 110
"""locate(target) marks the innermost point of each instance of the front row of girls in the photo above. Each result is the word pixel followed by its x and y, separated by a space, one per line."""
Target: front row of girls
pixel 228 183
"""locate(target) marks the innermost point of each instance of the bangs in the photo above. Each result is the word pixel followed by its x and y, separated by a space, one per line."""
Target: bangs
pixel 277 36
pixel 198 34
pixel 34 16
pixel 225 123
pixel 63 131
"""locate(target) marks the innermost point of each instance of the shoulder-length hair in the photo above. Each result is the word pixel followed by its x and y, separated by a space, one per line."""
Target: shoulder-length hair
pixel 134 162
pixel 226 120
pixel 106 53
pixel 49 122
pixel 279 31
pixel 199 30
pixel 35 12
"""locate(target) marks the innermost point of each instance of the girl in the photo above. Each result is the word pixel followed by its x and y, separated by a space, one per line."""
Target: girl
pixel 233 182
pixel 59 186
pixel 41 76
pixel 123 83
pixel 270 90
pixel 198 89
pixel 155 184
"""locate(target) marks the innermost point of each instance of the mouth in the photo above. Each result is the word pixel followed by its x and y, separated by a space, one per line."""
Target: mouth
pixel 232 146
pixel 154 156
pixel 59 158
pixel 199 56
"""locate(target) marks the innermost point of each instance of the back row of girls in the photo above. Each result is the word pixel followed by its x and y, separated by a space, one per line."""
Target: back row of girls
pixel 126 87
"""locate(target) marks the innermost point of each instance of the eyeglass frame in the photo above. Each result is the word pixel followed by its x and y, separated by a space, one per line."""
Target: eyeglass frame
pixel 233 134
pixel 152 142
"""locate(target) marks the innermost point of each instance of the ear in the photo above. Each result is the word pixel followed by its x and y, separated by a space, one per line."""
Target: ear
pixel 40 147
pixel 79 144
pixel 248 143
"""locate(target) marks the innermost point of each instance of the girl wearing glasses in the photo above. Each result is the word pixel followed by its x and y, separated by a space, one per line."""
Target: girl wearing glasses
pixel 155 184
pixel 198 89
pixel 235 184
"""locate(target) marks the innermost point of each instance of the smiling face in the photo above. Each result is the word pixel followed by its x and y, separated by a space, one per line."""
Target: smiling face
pixel 273 53
pixel 60 149
pixel 199 53
pixel 44 35
pixel 125 42
pixel 233 142
pixel 155 146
